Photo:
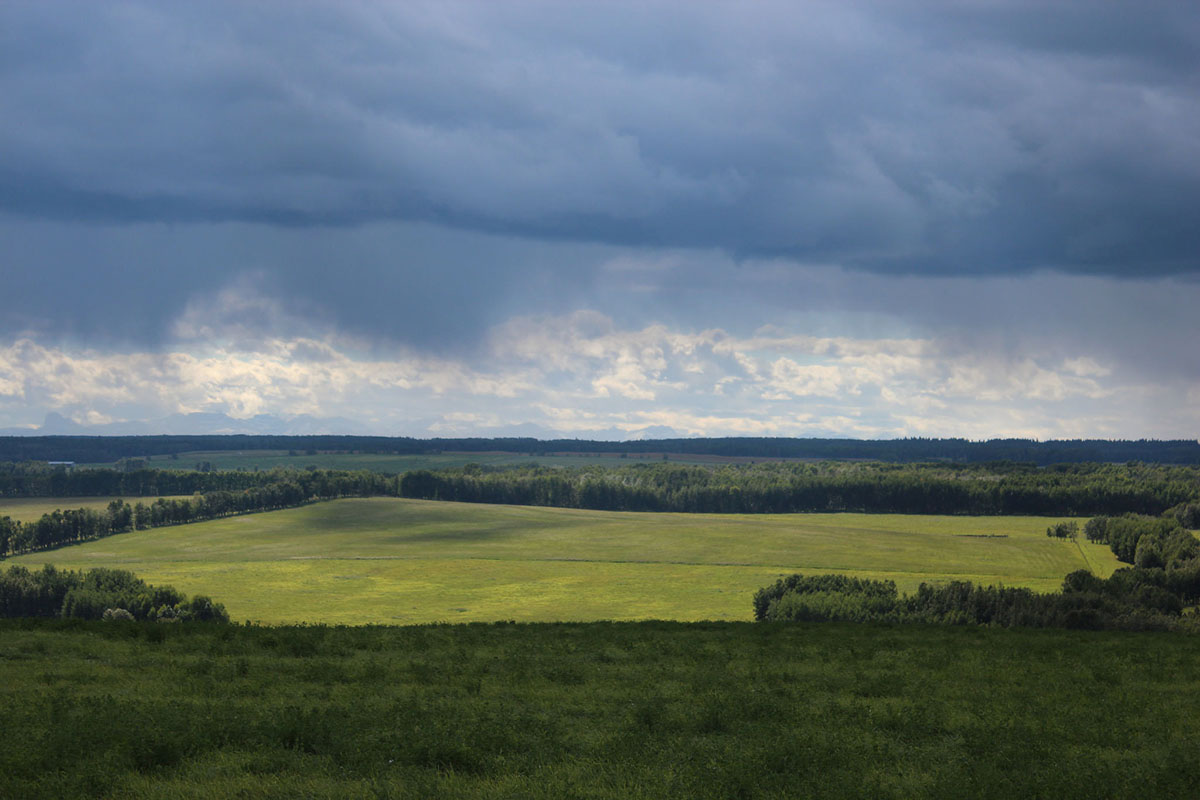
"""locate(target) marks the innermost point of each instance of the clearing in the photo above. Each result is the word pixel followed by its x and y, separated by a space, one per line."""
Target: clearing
pixel 396 561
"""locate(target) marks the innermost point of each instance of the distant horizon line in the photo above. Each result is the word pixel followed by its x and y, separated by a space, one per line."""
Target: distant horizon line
pixel 96 449
pixel 608 442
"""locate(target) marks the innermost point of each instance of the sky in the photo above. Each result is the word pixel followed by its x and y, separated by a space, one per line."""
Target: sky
pixel 601 219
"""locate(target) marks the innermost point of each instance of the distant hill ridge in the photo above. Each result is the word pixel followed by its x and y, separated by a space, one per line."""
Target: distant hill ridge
pixel 110 448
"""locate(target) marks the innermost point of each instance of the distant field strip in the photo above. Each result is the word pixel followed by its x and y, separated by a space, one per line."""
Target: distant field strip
pixel 29 509
pixel 388 560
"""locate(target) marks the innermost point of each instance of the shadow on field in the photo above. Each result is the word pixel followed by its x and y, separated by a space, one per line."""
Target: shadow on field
pixel 492 531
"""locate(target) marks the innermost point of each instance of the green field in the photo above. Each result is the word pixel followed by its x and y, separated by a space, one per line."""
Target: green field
pixel 251 460
pixel 389 560
pixel 28 509
pixel 621 710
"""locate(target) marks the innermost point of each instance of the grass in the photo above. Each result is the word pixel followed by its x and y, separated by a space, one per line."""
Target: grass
pixel 391 561
pixel 29 509
pixel 600 710
pixel 252 460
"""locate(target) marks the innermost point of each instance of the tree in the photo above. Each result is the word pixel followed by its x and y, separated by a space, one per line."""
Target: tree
pixel 1064 530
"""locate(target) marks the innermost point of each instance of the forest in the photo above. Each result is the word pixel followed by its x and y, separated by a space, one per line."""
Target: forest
pixel 37 479
pixel 982 489
pixel 98 449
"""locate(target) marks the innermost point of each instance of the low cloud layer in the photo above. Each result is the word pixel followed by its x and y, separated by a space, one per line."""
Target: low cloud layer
pixel 583 375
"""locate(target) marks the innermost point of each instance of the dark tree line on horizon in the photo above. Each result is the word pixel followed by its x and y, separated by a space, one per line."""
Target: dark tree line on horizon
pixel 34 479
pixel 985 490
pixel 107 449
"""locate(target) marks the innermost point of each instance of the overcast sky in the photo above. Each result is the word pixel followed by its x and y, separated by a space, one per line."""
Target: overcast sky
pixel 603 219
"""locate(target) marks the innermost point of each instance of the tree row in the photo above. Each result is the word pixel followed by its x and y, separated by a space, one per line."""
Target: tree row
pixel 78 525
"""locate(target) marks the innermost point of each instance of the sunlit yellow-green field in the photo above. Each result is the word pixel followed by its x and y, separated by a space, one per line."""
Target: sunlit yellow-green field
pixel 389 560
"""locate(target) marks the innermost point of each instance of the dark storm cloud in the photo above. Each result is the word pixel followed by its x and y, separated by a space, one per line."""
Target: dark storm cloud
pixel 937 138
pixel 130 284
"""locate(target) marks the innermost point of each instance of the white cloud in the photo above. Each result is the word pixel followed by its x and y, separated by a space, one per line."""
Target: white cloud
pixel 1086 367
pixel 582 372
pixel 789 379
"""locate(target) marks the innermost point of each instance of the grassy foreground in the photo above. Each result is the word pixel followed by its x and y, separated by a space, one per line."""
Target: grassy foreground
pixel 706 710
pixel 389 560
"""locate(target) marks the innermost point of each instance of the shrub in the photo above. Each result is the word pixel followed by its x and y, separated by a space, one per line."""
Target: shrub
pixel 93 594
pixel 203 609
pixel 1134 599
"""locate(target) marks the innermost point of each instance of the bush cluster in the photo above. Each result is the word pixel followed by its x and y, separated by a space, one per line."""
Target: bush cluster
pixel 1132 599
pixel 1162 542
pixel 1064 530
pixel 109 594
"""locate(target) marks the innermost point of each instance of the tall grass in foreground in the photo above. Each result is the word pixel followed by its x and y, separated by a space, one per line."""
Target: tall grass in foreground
pixel 708 710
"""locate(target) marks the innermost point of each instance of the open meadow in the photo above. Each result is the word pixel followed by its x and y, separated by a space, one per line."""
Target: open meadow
pixel 398 561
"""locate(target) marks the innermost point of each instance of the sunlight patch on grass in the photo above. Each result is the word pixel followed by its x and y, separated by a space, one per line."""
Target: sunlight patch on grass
pixel 388 560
